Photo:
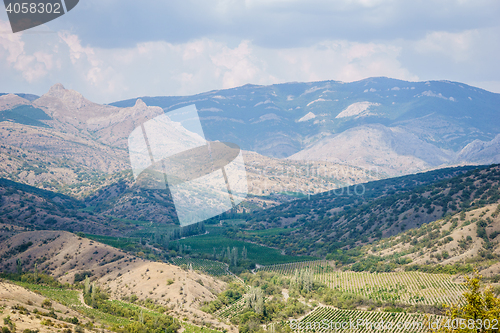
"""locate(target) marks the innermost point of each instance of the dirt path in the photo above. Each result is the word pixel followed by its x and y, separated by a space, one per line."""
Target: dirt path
pixel 80 296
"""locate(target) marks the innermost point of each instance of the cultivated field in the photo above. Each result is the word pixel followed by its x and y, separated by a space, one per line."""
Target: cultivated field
pixel 403 287
pixel 324 319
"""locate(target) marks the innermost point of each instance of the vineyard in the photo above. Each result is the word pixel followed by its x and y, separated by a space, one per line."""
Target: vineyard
pixel 317 266
pixel 324 319
pixel 230 311
pixel 404 287
pixel 209 267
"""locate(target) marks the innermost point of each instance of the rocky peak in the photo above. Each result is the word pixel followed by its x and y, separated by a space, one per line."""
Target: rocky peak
pixel 58 87
pixel 70 98
pixel 140 104
pixel 10 100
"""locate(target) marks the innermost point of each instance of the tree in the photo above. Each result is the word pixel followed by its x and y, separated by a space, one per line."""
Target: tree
pixel 255 300
pixel 94 294
pixel 303 280
pixel 234 257
pixel 244 253
pixel 141 317
pixel 87 285
pixel 19 266
pixel 477 313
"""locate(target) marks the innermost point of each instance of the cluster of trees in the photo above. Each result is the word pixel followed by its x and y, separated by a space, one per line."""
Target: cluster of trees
pixel 255 300
pixel 34 278
pixel 163 239
pixel 478 312
pixel 303 280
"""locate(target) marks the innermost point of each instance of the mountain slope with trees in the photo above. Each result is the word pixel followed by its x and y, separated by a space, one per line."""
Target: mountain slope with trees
pixel 327 222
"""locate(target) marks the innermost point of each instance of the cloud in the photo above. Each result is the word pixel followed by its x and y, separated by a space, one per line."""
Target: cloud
pixel 340 60
pixel 454 45
pixel 152 48
pixel 468 56
pixel 272 23
pixel 31 67
pixel 162 68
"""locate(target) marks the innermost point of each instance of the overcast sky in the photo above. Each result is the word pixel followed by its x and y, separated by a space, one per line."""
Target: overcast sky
pixel 111 50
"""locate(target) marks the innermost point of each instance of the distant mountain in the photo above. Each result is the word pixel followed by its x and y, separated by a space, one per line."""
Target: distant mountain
pixel 63 143
pixel 29 97
pixel 395 126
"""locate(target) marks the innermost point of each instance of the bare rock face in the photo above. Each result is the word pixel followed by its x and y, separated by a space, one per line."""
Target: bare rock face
pixel 108 124
pixel 391 150
pixel 70 107
pixel 481 152
pixel 115 128
pixel 88 133
pixel 10 101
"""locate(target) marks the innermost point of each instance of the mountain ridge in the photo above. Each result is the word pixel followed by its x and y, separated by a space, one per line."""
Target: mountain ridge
pixel 291 118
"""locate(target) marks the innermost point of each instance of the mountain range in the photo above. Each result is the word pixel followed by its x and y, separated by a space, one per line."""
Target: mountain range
pixel 395 126
pixel 298 137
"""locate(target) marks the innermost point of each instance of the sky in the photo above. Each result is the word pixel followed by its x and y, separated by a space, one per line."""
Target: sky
pixel 111 50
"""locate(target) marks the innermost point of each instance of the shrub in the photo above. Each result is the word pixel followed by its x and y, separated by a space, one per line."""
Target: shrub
pixel 46 303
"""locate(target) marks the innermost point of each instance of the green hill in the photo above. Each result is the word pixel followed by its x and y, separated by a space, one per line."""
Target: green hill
pixel 330 221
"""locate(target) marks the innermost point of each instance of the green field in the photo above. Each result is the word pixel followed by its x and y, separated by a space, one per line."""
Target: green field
pixel 256 253
pixel 188 328
pixel 66 297
pixel 271 232
pixel 233 221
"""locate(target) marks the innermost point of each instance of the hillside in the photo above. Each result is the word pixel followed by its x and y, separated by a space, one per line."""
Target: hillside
pixel 67 257
pixel 19 304
pixel 466 238
pixel 334 135
pixel 29 207
pixel 361 214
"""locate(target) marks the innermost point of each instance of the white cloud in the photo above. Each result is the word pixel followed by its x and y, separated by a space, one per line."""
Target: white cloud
pixel 238 65
pixel 340 60
pixel 161 68
pixel 456 46
pixel 207 60
pixel 12 51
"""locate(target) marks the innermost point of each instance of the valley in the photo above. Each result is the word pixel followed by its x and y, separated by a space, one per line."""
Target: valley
pixel 377 200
